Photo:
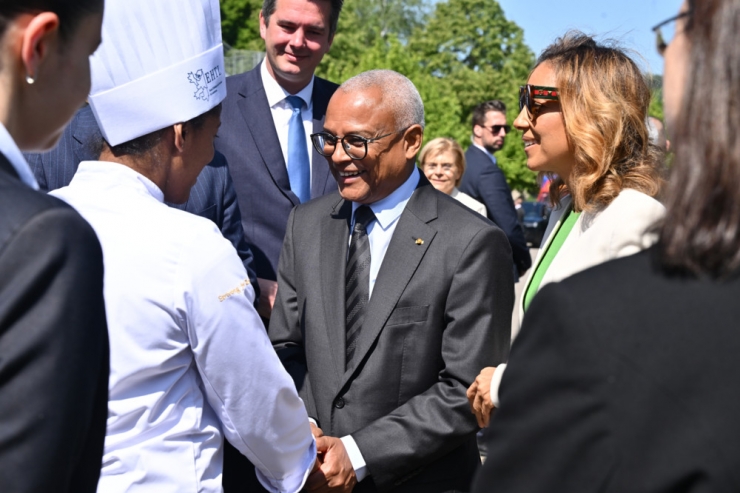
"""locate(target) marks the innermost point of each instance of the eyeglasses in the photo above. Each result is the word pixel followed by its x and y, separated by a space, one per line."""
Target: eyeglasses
pixel 354 145
pixel 528 93
pixel 496 129
pixel 662 41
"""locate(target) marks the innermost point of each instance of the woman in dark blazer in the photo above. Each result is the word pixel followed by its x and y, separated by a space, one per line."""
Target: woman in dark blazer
pixel 625 377
pixel 53 337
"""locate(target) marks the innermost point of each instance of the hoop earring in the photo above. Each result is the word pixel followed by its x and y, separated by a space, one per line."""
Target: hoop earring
pixel 30 80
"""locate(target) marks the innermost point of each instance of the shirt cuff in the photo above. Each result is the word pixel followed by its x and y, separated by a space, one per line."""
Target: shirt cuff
pixel 355 457
pixel 313 421
pixel 496 383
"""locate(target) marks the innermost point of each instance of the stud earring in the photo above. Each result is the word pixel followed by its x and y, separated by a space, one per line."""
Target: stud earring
pixel 30 80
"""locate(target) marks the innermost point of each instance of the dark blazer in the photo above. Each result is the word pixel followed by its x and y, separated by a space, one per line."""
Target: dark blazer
pixel 53 344
pixel 440 311
pixel 622 379
pixel 249 141
pixel 212 196
pixel 485 182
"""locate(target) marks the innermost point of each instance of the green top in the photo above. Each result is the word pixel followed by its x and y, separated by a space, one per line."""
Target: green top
pixel 561 234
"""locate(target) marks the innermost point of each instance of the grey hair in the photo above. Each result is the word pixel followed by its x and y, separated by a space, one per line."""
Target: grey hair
pixel 399 94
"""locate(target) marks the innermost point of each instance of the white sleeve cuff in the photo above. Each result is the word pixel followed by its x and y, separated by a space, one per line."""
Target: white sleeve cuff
pixel 496 383
pixel 293 483
pixel 313 421
pixel 355 457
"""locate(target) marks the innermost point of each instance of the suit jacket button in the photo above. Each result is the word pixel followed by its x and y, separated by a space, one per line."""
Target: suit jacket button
pixel 339 403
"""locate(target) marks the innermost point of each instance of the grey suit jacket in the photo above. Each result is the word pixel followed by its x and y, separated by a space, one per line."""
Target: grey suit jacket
pixel 440 311
pixel 249 141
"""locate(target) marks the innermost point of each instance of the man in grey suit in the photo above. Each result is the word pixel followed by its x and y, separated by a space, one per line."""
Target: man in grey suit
pixel 273 168
pixel 392 297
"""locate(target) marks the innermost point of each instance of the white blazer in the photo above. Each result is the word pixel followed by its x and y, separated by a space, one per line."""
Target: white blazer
pixel 620 229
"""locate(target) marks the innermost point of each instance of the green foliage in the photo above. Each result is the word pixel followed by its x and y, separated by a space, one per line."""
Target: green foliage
pixel 656 103
pixel 240 24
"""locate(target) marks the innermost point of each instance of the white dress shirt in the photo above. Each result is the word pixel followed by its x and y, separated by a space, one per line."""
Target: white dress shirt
pixel 190 359
pixel 282 111
pixel 13 154
pixel 493 158
pixel 387 212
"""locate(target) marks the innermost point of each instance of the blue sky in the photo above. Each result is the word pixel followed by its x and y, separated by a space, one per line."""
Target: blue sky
pixel 627 21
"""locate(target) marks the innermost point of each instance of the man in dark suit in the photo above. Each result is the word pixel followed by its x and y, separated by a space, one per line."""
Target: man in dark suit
pixel 623 378
pixel 265 159
pixel 485 182
pixel 212 196
pixel 53 343
pixel 392 297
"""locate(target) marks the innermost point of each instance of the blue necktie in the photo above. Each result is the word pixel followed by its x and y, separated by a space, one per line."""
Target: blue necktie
pixel 299 172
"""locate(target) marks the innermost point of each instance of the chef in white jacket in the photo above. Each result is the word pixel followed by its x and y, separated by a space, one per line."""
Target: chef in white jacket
pixel 190 359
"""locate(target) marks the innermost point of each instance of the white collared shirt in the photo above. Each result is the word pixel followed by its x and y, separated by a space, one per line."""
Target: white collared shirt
pixel 10 150
pixel 387 212
pixel 493 158
pixel 282 111
pixel 190 361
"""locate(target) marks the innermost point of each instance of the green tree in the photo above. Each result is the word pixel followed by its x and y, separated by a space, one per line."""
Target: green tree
pixel 240 24
pixel 483 56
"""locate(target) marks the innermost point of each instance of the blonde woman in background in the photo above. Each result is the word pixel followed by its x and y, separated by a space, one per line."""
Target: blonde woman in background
pixel 583 121
pixel 443 163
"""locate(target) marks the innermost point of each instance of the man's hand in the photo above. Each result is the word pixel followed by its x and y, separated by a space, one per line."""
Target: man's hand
pixel 479 395
pixel 268 291
pixel 316 431
pixel 336 473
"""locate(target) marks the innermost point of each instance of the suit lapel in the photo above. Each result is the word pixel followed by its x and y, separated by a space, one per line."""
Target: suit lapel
pixel 335 240
pixel 8 168
pixel 401 260
pixel 320 172
pixel 256 113
pixel 553 226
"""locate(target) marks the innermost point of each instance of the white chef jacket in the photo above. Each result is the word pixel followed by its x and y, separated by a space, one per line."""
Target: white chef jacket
pixel 190 358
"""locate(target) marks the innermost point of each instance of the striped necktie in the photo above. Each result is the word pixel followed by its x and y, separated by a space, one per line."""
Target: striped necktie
pixel 357 279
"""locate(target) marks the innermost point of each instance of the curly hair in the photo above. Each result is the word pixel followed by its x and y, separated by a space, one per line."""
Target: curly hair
pixel 444 144
pixel 604 99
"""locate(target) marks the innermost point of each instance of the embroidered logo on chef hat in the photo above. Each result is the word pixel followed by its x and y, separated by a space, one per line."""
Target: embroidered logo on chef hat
pixel 206 82
pixel 160 63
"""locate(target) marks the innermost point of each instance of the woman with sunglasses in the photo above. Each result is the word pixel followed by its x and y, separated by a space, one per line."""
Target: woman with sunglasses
pixel 583 117
pixel 53 337
pixel 624 377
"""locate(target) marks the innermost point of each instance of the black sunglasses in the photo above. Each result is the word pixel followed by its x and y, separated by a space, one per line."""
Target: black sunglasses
pixel 496 129
pixel 660 42
pixel 528 93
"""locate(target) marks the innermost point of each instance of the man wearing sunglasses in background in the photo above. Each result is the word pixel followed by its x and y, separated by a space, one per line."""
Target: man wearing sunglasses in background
pixel 485 182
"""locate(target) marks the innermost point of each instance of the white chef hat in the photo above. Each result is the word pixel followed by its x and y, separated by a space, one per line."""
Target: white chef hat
pixel 161 62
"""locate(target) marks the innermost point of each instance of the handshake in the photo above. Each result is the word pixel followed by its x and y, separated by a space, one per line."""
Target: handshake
pixel 333 470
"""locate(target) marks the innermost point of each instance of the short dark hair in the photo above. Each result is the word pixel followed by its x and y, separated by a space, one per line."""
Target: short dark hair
pixel 480 111
pixel 701 231
pixel 70 12
pixel 269 7
pixel 141 145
